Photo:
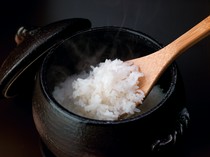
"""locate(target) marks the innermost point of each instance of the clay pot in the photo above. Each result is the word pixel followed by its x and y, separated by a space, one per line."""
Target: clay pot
pixel 66 134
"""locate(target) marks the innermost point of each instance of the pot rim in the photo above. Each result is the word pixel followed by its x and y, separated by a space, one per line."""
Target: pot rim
pixel 49 97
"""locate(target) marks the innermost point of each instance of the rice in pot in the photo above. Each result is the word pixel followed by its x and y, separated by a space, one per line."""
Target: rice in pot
pixel 108 91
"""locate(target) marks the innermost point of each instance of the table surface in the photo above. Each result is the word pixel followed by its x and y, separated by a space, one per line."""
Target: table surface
pixel 163 20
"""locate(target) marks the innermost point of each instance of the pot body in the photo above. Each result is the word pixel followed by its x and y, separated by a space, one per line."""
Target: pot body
pixel 69 135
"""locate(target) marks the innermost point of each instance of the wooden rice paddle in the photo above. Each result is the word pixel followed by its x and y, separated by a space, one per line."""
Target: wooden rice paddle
pixel 155 64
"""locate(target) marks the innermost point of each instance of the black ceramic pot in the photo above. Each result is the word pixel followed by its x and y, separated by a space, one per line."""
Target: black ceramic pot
pixel 67 134
pixel 69 47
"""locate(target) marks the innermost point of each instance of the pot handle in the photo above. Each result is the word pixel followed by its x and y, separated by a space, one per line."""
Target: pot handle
pixel 182 123
pixel 32 46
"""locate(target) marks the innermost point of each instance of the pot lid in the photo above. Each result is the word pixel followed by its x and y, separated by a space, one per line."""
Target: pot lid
pixel 19 68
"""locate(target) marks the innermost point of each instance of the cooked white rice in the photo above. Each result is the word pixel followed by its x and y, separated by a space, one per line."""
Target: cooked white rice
pixel 107 92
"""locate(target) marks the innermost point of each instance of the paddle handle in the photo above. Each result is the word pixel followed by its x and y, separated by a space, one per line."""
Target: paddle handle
pixel 188 39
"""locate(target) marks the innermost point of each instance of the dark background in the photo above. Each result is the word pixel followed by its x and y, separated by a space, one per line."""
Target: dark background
pixel 163 20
